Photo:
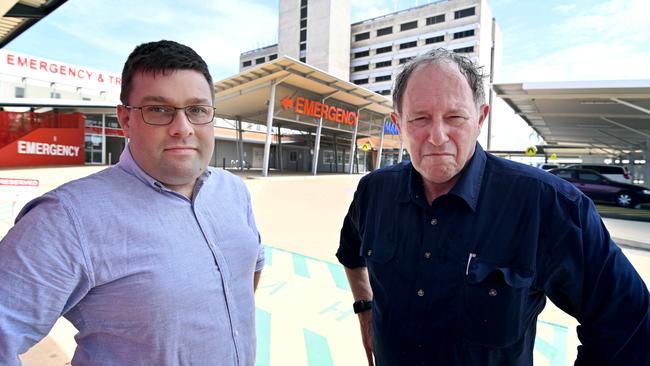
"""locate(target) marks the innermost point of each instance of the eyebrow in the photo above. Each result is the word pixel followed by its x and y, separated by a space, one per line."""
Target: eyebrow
pixel 160 99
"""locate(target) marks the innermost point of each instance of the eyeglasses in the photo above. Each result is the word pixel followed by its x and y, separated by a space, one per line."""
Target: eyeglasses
pixel 160 115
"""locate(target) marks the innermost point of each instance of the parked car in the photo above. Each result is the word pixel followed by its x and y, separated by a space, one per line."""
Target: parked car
pixel 613 172
pixel 600 188
pixel 547 166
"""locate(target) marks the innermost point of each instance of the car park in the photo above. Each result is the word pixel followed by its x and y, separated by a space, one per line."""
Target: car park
pixel 613 172
pixel 602 189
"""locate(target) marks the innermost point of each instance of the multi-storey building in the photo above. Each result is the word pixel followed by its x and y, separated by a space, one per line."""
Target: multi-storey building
pixel 369 53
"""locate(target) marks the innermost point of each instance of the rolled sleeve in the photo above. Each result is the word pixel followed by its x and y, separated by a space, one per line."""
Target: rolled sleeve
pixel 349 249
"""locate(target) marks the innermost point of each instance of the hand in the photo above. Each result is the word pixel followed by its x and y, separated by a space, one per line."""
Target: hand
pixel 365 321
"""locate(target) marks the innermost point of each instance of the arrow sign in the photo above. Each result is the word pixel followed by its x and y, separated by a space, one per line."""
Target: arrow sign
pixel 286 102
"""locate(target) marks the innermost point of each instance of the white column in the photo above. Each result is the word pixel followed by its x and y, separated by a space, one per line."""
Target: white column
pixel 401 149
pixel 381 145
pixel 269 125
pixel 314 163
pixel 353 145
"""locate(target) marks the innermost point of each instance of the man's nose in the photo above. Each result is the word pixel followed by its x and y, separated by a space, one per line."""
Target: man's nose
pixel 181 125
pixel 437 133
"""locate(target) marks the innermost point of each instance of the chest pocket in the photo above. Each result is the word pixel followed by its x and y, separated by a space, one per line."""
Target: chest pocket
pixel 495 301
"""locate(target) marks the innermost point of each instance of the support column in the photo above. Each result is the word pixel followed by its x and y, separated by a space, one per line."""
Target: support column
pixel 353 145
pixel 314 163
pixel 240 144
pixel 269 125
pixel 104 140
pixel 381 145
pixel 401 150
pixel 336 156
pixel 646 169
pixel 279 150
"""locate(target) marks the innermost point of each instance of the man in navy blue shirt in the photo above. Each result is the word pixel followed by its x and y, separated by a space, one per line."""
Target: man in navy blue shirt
pixel 455 252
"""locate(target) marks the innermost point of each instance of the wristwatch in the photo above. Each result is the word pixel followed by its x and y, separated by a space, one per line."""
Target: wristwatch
pixel 361 306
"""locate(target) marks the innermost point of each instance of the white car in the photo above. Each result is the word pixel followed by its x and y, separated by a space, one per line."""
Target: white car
pixel 613 172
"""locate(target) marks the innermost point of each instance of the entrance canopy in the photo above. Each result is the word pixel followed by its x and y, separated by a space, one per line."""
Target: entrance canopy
pixel 18 16
pixel 287 93
pixel 598 117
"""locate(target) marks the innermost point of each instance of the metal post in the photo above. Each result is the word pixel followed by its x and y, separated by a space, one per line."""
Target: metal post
pixel 278 150
pixel 269 125
pixel 489 122
pixel 401 149
pixel 336 156
pixel 646 169
pixel 104 140
pixel 240 144
pixel 353 145
pixel 314 163
pixel 381 146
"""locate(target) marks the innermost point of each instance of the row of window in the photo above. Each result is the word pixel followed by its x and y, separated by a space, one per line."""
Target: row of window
pixel 378 79
pixel 405 45
pixel 403 60
pixel 259 60
pixel 303 29
pixel 436 19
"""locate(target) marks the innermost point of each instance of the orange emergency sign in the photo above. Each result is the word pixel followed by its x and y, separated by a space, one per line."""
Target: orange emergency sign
pixel 317 109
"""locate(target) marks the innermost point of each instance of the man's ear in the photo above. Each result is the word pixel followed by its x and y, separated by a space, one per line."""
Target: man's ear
pixel 395 118
pixel 123 116
pixel 483 113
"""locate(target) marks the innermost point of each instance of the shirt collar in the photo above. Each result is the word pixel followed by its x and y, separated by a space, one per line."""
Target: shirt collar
pixel 129 165
pixel 467 188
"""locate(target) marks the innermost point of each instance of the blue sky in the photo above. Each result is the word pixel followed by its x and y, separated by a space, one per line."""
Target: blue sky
pixel 543 40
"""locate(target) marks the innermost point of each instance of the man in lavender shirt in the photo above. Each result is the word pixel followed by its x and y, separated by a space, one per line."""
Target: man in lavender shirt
pixel 155 260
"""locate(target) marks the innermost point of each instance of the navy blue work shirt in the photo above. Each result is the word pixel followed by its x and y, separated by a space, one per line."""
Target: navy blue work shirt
pixel 462 280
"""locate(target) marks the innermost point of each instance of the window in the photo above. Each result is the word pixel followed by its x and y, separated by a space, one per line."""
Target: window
pixel 293 156
pixel 467 33
pixel 361 36
pixel 303 35
pixel 303 46
pixel 55 95
pixel 384 49
pixel 303 59
pixel 436 19
pixel 404 60
pixel 361 54
pixel 384 92
pixel 303 23
pixel 464 13
pixel 303 2
pixel 85 98
pixel 589 177
pixel 328 157
pixel 565 174
pixel 246 63
pixel 259 60
pixel 408 45
pixel 384 31
pixel 303 12
pixel 465 50
pixel 361 81
pixel 383 64
pixel 434 40
pixel 360 68
pixel 273 57
pixel 19 92
pixel 409 25
pixel 382 78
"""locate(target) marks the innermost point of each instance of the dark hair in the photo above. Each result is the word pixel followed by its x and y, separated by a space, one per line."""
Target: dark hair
pixel 160 58
pixel 472 72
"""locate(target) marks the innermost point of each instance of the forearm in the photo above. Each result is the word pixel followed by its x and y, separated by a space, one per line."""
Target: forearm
pixel 359 283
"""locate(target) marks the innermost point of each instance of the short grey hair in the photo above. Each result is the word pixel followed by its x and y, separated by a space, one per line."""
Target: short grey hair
pixel 472 72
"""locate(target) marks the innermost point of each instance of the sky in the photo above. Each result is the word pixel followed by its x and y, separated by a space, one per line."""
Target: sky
pixel 541 40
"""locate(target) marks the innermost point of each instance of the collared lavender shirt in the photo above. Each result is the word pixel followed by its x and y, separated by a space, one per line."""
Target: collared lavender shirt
pixel 147 276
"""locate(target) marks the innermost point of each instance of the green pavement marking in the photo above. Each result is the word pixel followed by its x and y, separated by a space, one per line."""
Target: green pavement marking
pixel 337 308
pixel 300 265
pixel 263 330
pixel 339 276
pixel 268 257
pixel 557 352
pixel 318 351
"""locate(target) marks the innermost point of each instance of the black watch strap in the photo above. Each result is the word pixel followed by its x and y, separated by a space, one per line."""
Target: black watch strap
pixel 361 306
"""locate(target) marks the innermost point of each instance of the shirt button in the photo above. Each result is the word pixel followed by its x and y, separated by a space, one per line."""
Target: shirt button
pixel 427 255
pixel 420 292
pixel 434 222
pixel 492 292
pixel 369 252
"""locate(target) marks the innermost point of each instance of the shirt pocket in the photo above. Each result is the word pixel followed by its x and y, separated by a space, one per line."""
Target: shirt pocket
pixel 495 300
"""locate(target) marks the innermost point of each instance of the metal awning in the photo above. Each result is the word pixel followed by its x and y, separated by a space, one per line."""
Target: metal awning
pixel 245 95
pixel 599 117
pixel 18 16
